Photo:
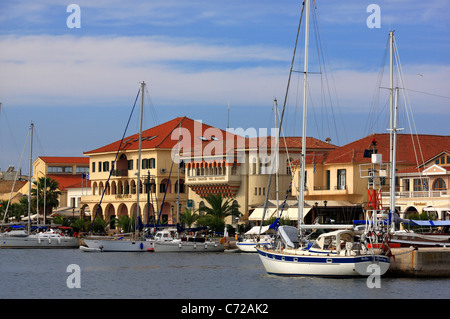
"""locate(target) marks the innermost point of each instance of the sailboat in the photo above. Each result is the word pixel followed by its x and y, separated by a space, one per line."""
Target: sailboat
pixel 340 253
pixel 402 237
pixel 20 238
pixel 122 244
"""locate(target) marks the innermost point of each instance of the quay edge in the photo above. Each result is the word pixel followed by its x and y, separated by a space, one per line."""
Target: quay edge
pixel 422 262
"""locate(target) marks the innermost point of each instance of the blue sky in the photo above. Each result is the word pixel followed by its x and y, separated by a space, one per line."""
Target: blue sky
pixel 78 84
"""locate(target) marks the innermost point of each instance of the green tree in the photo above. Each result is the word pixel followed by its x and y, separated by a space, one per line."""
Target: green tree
pixel 126 223
pixel 15 210
pixel 80 225
pixel 219 208
pixel 99 225
pixel 60 220
pixel 46 188
pixel 188 217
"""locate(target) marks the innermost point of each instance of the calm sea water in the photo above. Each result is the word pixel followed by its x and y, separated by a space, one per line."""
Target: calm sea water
pixel 43 274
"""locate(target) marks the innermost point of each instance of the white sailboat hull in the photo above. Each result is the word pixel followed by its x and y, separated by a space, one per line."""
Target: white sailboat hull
pixel 187 246
pixel 323 266
pixel 250 246
pixel 107 245
pixel 38 242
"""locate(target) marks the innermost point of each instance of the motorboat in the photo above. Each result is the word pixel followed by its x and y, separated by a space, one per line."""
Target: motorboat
pixel 168 240
pixel 47 239
pixel 256 235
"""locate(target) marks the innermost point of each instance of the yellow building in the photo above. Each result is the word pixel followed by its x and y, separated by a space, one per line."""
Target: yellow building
pixel 335 186
pixel 212 161
pixel 425 187
pixel 70 173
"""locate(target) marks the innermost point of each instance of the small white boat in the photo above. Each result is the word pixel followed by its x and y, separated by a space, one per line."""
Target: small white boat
pixel 49 239
pixel 256 235
pixel 116 245
pixel 166 241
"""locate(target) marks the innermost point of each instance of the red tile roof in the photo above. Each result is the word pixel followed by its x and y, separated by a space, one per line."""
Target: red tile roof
pixel 200 138
pixel 166 135
pixel 69 181
pixel 407 148
pixel 291 142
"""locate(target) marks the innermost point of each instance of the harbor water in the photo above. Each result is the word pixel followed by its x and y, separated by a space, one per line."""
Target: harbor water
pixel 49 274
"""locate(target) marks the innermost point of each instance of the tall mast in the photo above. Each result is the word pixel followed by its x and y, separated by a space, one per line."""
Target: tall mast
pixel 303 155
pixel 392 127
pixel 138 183
pixel 29 183
pixel 277 165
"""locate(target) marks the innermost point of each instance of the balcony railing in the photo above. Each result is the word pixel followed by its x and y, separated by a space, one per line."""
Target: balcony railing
pixel 419 194
pixel 119 173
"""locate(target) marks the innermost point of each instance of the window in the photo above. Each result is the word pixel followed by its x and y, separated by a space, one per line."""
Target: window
pixel 99 166
pixel 93 167
pixel 54 169
pixel 82 169
pixel 60 169
pixel 148 163
pixel 341 179
pixel 145 163
pixel 406 185
pixel 181 186
pixel 420 184
pixel 105 166
pixel 288 167
pixel 439 184
pixel 328 179
pixel 130 164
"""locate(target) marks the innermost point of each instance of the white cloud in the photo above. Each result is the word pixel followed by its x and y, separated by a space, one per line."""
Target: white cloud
pixel 99 67
pixel 49 70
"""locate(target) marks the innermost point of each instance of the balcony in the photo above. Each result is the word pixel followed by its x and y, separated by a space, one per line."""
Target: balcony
pixel 119 173
pixel 420 194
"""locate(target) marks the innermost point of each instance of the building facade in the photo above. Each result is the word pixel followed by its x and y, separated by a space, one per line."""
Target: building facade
pixel 339 177
pixel 182 161
pixel 425 188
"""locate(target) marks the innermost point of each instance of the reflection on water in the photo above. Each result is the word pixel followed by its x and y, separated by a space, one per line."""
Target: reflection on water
pixel 43 274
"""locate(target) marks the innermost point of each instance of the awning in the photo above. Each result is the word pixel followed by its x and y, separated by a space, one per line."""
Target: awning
pixel 256 230
pixel 431 223
pixel 290 211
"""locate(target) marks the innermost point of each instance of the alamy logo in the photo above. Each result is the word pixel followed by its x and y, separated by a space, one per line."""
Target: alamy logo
pixel 74 279
pixel 233 146
pixel 374 279
pixel 74 19
pixel 374 20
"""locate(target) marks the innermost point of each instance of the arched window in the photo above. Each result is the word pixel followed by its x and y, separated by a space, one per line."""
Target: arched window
pixel 439 184
pixel 182 190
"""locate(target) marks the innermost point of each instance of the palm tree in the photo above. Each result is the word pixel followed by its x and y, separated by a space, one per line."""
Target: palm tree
pixel 48 188
pixel 220 207
pixel 188 217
